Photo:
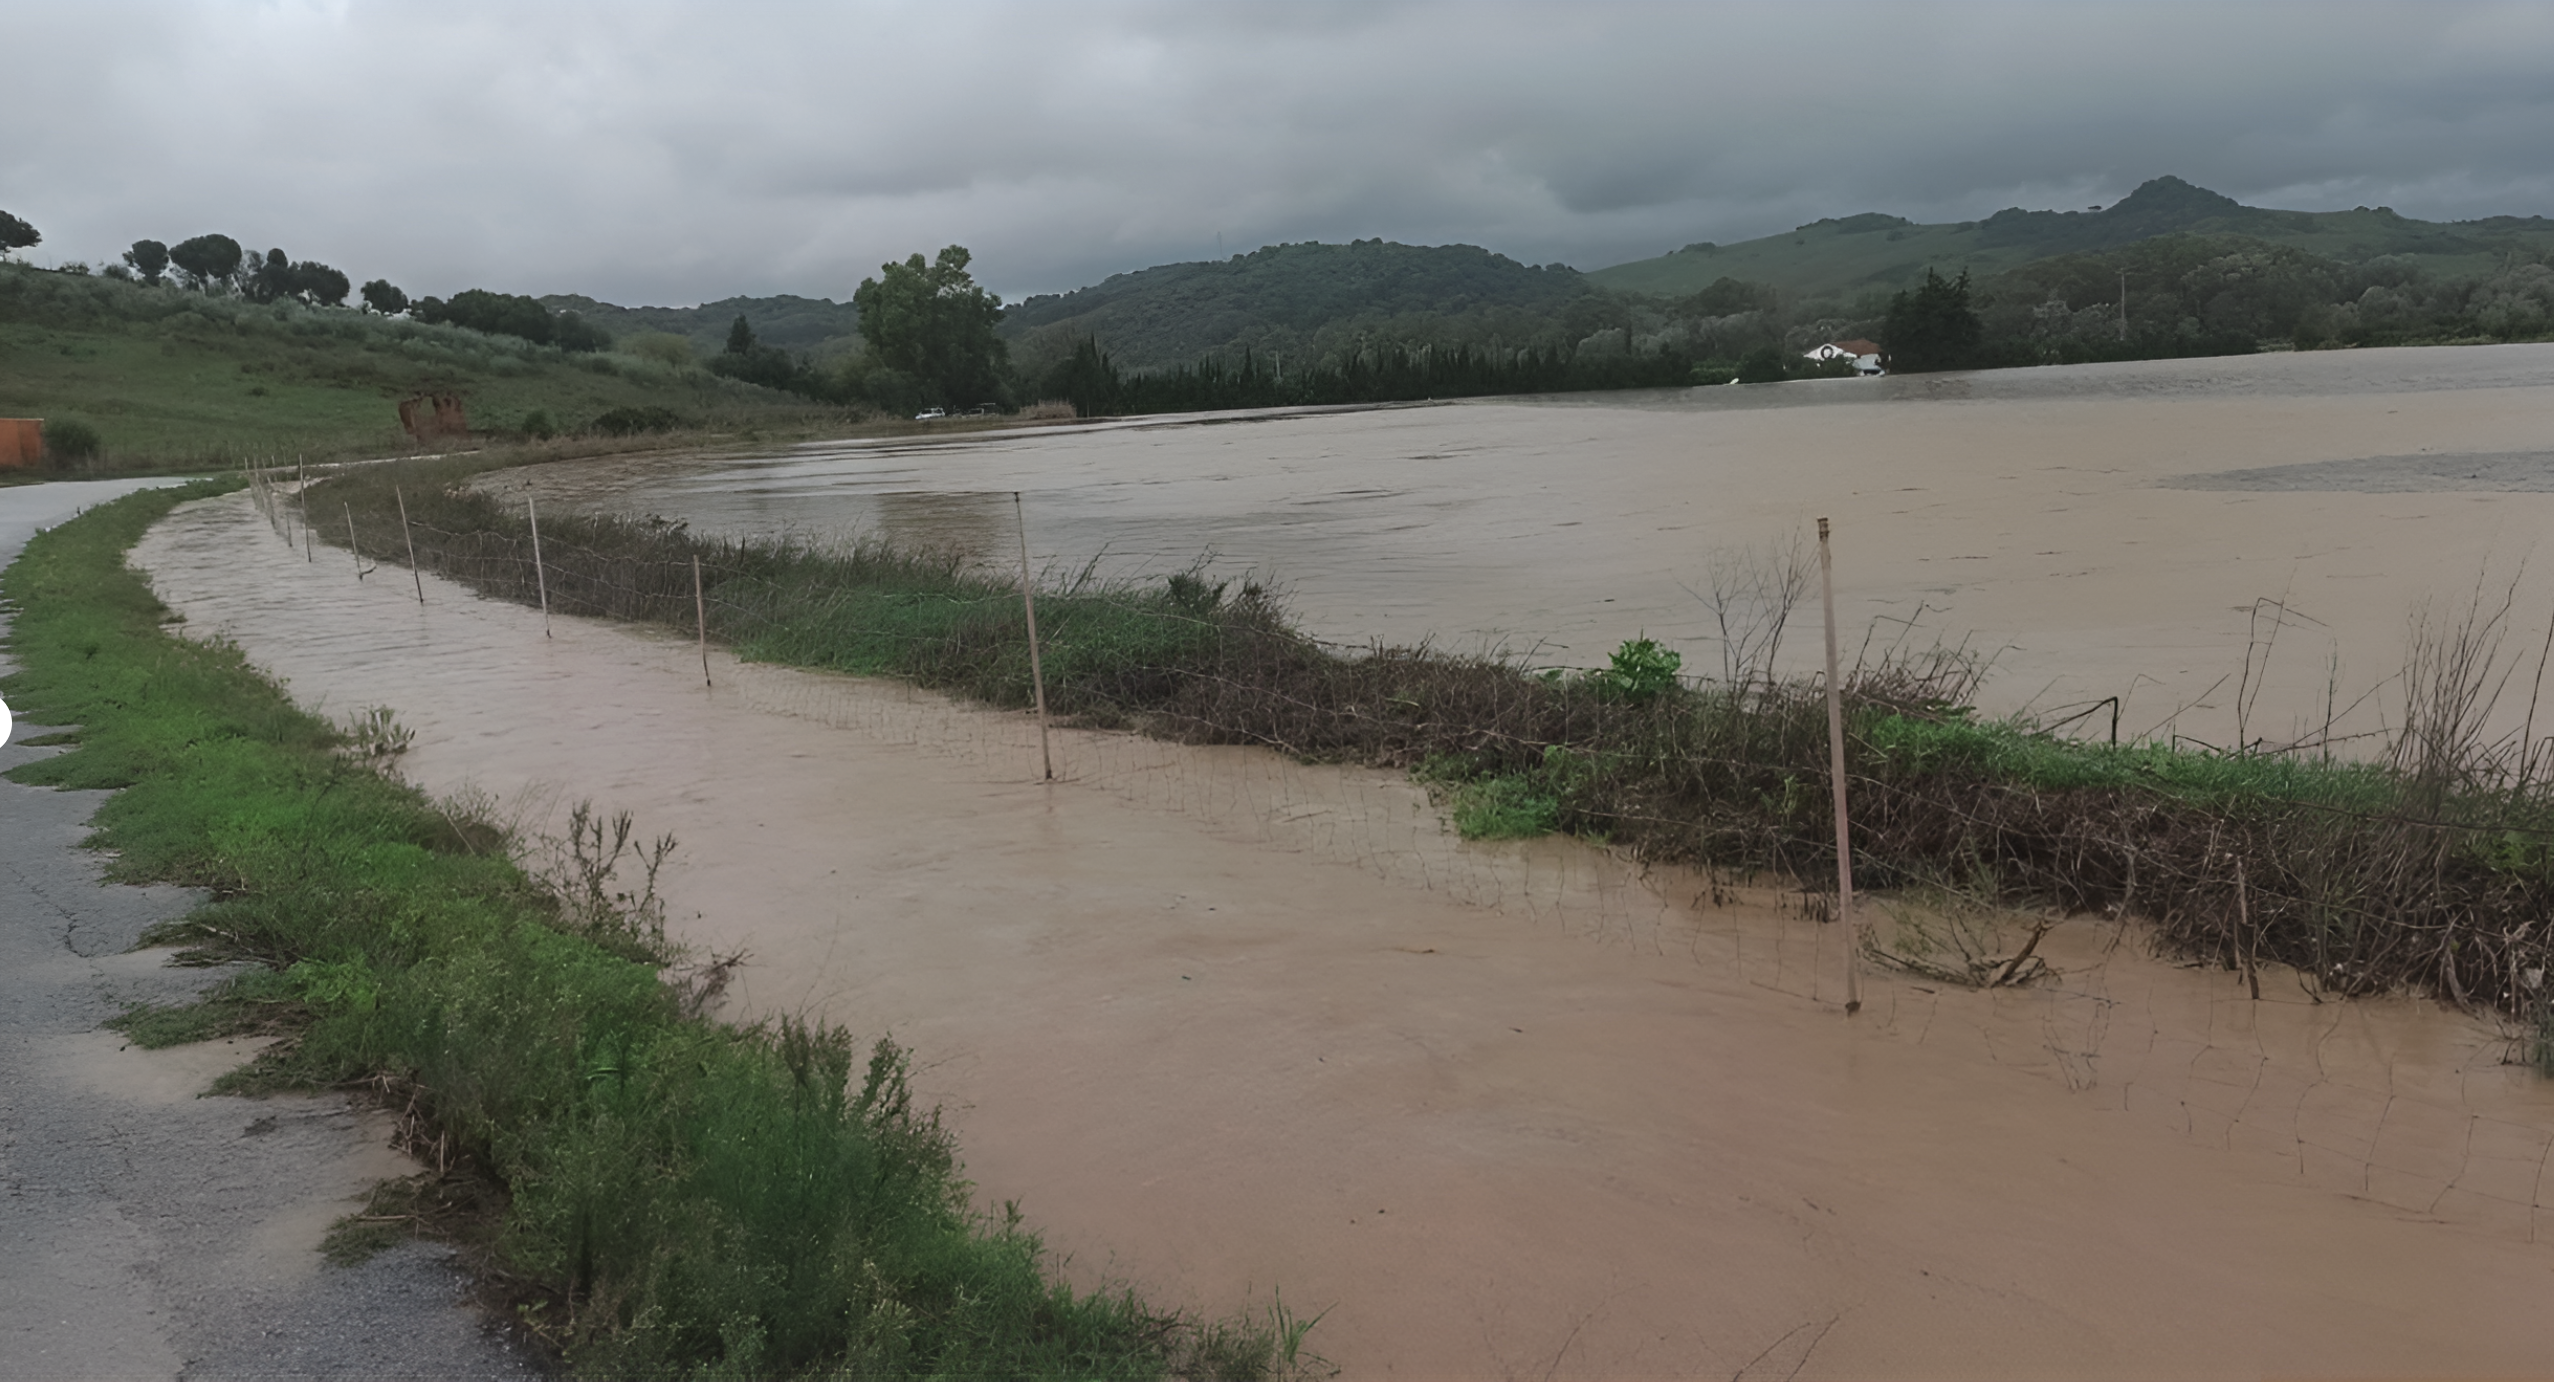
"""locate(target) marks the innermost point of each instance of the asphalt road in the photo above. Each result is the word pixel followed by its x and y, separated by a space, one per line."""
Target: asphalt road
pixel 148 1230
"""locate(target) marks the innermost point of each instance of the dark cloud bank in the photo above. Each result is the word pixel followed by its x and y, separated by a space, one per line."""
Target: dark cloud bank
pixel 675 153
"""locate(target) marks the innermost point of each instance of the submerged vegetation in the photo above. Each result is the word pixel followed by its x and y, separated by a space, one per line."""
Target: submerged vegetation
pixel 2432 869
pixel 649 1193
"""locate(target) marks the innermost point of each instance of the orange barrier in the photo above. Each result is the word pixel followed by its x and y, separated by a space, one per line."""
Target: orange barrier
pixel 21 442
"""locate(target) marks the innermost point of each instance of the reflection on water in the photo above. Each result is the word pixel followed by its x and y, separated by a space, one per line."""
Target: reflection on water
pixel 2039 516
pixel 2499 472
pixel 979 527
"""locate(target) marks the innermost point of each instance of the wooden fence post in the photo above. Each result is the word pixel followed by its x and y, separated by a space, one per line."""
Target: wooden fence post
pixel 1836 785
pixel 411 539
pixel 541 578
pixel 1029 602
pixel 700 609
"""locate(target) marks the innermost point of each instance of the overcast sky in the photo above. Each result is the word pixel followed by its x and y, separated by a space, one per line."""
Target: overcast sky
pixel 674 153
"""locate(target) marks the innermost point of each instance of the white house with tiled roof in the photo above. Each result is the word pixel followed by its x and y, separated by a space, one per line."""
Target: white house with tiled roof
pixel 1865 355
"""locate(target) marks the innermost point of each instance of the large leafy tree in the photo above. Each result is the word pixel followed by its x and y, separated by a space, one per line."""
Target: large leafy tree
pixel 1933 327
pixel 148 258
pixel 383 296
pixel 932 322
pixel 16 234
pixel 208 261
pixel 278 277
pixel 271 278
pixel 320 284
pixel 510 314
pixel 503 314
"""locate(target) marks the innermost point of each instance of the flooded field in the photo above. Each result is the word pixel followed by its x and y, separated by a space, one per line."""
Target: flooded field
pixel 1225 1024
pixel 2098 531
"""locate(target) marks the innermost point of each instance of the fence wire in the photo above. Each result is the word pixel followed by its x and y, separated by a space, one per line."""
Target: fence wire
pixel 2387 1097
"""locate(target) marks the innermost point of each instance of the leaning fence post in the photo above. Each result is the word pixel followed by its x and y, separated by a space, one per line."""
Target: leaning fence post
pixel 541 579
pixel 351 545
pixel 411 539
pixel 1836 785
pixel 700 609
pixel 2245 933
pixel 1029 602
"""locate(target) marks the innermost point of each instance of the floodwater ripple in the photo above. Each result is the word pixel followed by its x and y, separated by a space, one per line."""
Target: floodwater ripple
pixel 1223 1024
pixel 2097 531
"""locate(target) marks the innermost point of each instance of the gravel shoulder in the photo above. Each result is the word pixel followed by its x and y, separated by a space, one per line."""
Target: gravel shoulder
pixel 152 1230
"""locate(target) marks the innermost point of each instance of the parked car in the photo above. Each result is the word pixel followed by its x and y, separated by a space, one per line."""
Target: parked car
pixel 928 414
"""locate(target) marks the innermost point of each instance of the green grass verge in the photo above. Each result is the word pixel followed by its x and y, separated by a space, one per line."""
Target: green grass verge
pixel 669 1196
pixel 173 380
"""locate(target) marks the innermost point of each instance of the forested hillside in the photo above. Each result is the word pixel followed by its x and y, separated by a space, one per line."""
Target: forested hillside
pixel 2171 270
pixel 1843 257
pixel 240 354
pixel 811 326
pixel 1308 300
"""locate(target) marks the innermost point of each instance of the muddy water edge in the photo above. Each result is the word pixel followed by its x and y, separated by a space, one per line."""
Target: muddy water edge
pixel 1225 1025
pixel 2098 531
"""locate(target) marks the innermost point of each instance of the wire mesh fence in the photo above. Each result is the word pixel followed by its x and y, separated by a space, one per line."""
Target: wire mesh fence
pixel 2192 986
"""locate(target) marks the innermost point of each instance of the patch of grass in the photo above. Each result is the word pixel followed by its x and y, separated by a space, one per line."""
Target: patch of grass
pixel 666 1196
pixel 258 1002
pixel 1917 745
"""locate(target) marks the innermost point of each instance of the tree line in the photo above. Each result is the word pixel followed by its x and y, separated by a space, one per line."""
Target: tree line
pixel 932 337
pixel 217 265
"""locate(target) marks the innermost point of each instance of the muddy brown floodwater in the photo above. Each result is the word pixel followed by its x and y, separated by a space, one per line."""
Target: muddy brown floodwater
pixel 1226 1025
pixel 2099 531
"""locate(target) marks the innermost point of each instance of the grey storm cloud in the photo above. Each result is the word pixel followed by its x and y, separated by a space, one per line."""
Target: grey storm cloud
pixel 678 152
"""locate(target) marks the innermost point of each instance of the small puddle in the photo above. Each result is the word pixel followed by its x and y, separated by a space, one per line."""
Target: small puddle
pixel 1226 1024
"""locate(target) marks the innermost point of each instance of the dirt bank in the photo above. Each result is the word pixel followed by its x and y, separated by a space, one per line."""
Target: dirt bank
pixel 1224 1024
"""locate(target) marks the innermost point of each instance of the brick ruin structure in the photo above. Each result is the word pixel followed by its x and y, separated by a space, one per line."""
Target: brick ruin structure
pixel 429 416
pixel 21 442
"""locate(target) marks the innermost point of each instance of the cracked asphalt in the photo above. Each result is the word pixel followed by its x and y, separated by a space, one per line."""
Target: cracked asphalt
pixel 148 1230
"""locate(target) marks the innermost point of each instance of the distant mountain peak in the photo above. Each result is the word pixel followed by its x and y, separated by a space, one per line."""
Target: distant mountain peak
pixel 2159 206
pixel 2171 195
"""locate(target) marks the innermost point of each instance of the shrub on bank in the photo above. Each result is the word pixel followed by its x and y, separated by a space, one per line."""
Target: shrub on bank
pixel 69 441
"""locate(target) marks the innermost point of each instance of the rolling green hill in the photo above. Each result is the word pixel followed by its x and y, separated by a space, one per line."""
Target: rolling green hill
pixel 1306 300
pixel 171 378
pixel 808 326
pixel 1848 257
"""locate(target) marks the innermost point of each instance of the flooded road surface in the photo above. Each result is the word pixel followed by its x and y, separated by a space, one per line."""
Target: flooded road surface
pixel 2080 525
pixel 1225 1025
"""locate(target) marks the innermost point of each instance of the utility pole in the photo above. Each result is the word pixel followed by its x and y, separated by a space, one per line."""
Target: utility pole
pixel 2123 304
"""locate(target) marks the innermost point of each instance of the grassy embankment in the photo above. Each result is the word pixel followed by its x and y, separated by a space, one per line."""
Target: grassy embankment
pixel 2430 870
pixel 174 381
pixel 657 1194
